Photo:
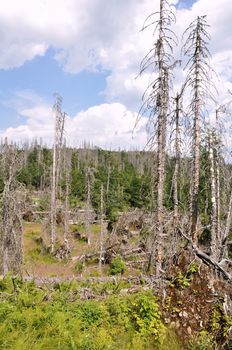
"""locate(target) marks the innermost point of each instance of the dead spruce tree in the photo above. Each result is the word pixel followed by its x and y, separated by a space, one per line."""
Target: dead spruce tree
pixel 88 208
pixel 67 163
pixel 156 105
pixel 63 251
pixel 199 74
pixel 56 165
pixel 178 111
pixel 101 255
pixel 213 220
pixel 222 229
pixel 11 254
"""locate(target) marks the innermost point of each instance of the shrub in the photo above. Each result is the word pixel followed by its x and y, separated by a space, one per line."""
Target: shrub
pixel 79 266
pixel 117 266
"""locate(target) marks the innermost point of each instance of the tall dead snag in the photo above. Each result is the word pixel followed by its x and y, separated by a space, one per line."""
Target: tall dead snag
pixel 89 175
pixel 177 146
pixel 67 164
pixel 101 257
pixel 223 232
pixel 156 105
pixel 213 220
pixel 57 147
pixel 11 253
pixel 198 81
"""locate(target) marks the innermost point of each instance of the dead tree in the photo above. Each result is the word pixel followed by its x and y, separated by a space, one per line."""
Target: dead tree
pixel 57 147
pixel 89 176
pixel 156 105
pixel 11 252
pixel 108 179
pixel 198 82
pixel 213 220
pixel 177 150
pixel 101 257
pixel 67 163
pixel 223 232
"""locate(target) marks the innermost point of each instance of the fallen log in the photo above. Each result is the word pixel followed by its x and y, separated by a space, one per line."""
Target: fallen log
pixel 207 259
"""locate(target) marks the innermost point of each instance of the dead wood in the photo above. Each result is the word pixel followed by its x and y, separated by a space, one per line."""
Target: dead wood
pixel 208 260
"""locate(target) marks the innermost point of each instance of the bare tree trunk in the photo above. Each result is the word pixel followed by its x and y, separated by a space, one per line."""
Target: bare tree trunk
pixel 218 192
pixel 213 223
pixel 101 257
pixel 57 147
pixel 161 159
pixel 67 193
pixel 177 155
pixel 11 252
pixel 196 163
pixel 53 201
pixel 88 206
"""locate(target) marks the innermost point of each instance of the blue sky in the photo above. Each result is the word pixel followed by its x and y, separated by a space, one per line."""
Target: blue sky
pixel 71 47
pixel 45 76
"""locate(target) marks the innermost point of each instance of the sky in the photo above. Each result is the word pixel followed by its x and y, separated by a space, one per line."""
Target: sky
pixel 89 51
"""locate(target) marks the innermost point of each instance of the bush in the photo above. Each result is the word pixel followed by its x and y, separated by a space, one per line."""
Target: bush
pixel 79 266
pixel 205 341
pixel 117 266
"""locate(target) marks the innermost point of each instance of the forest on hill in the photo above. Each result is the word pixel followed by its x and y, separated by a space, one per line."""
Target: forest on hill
pixel 97 243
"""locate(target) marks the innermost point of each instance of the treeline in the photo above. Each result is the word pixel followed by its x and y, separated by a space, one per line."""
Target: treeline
pixel 126 177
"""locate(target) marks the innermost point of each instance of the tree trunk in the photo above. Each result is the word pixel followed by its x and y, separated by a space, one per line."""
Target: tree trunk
pixel 101 257
pixel 177 155
pixel 213 220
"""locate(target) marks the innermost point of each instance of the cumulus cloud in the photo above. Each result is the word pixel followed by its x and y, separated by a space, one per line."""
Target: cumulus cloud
pixel 89 35
pixel 98 35
pixel 107 126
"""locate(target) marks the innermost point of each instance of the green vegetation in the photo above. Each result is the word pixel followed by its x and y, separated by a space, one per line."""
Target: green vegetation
pixel 220 323
pixel 55 318
pixel 205 341
pixel 183 281
pixel 117 266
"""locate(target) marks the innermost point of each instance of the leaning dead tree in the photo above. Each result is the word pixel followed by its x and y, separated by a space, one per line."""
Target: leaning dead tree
pixel 11 252
pixel 57 149
pixel 156 105
pixel 199 74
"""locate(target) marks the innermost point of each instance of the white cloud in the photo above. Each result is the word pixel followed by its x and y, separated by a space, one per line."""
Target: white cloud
pixel 86 35
pixel 100 35
pixel 107 126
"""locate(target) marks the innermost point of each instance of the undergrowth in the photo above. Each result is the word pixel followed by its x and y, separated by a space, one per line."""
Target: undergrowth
pixel 51 317
pixel 54 317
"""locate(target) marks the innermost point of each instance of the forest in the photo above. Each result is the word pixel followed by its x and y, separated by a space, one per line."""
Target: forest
pixel 96 243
